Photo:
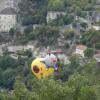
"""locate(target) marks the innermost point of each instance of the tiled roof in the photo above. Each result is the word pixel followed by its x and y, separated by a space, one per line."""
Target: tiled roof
pixel 9 11
pixel 81 47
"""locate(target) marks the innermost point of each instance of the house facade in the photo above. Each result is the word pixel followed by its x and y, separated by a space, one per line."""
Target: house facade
pixel 8 19
pixel 80 50
pixel 63 58
pixel 51 15
pixel 15 49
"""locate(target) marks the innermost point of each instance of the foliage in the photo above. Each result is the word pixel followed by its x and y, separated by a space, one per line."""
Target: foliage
pixel 62 20
pixel 46 35
pixel 6 62
pixel 68 19
pixel 69 34
pixel 11 31
pixel 90 38
pixel 89 52
pixel 56 5
pixel 34 13
pixel 77 6
pixel 28 29
pixel 97 46
pixel 74 82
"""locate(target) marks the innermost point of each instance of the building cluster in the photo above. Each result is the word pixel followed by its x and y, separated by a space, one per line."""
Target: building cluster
pixel 12 49
pixel 9 19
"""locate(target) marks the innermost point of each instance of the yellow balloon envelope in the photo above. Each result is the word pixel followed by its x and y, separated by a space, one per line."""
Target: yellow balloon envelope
pixel 39 69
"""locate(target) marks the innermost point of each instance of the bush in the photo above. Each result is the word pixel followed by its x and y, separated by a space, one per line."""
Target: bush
pixel 97 46
pixel 69 34
pixel 28 30
pixel 89 52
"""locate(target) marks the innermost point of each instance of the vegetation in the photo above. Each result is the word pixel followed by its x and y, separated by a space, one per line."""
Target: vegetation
pixel 34 13
pixel 89 52
pixel 78 80
pixel 56 5
pixel 45 35
pixel 69 34
pixel 79 5
pixel 91 38
pixel 62 20
pixel 97 46
pixel 74 82
pixel 37 11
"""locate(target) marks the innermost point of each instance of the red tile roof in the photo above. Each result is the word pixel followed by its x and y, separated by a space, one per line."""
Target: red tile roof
pixel 81 47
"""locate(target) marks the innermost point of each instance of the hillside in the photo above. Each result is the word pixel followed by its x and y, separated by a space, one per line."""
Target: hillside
pixel 67 29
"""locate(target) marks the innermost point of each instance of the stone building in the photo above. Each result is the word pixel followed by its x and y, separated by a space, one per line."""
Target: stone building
pixel 51 15
pixel 8 19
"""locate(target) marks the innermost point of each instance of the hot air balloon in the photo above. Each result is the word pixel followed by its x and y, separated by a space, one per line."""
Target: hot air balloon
pixel 44 67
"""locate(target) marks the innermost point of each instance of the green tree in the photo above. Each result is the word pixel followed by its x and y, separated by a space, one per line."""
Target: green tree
pixel 89 52
pixel 8 77
pixel 12 32
pixel 47 35
pixel 82 90
pixel 77 6
pixel 56 5
pixel 97 46
pixel 7 62
pixel 87 93
pixel 68 19
pixel 34 13
pixel 20 91
pixel 69 34
pixel 28 53
pixel 28 30
pixel 6 95
pixel 90 38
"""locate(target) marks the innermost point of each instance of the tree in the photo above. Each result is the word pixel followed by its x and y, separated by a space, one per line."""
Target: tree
pixel 12 32
pixel 81 89
pixel 56 5
pixel 89 52
pixel 28 30
pixel 57 22
pixel 97 46
pixel 8 77
pixel 28 53
pixel 84 25
pixel 47 35
pixel 90 38
pixel 69 34
pixel 20 90
pixel 77 6
pixel 68 19
pixel 87 93
pixel 35 13
pixel 6 95
pixel 7 62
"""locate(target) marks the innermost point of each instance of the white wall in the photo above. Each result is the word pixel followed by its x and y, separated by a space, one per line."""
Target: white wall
pixel 80 52
pixel 53 15
pixel 7 22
